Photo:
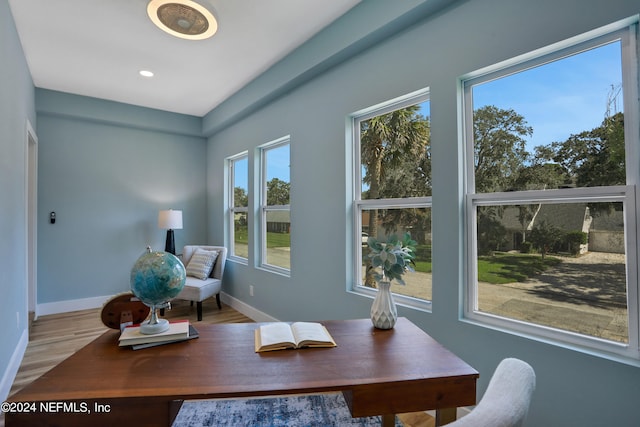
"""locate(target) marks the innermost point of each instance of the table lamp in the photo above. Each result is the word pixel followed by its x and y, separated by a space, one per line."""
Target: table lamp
pixel 170 220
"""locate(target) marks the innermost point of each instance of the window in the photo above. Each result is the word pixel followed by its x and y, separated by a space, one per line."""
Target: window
pixel 552 215
pixel 238 209
pixel 275 217
pixel 392 176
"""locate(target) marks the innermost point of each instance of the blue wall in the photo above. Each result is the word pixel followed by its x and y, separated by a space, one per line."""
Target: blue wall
pixel 106 169
pixel 574 388
pixel 16 107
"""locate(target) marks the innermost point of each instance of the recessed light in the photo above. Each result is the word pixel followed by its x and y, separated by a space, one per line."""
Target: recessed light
pixel 146 73
pixel 183 18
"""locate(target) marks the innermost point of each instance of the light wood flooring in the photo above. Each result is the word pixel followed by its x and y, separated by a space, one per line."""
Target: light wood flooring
pixel 53 338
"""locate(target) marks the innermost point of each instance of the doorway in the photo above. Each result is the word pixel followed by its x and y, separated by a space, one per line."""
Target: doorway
pixel 31 172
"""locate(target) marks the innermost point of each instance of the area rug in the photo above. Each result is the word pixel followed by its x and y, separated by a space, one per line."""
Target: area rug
pixel 321 410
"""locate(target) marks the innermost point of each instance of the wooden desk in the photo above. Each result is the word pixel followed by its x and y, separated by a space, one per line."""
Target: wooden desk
pixel 379 373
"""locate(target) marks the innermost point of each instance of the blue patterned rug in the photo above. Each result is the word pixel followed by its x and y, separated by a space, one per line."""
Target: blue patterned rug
pixel 321 410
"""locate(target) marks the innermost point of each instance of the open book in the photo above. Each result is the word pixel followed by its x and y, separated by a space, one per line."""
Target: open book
pixel 280 336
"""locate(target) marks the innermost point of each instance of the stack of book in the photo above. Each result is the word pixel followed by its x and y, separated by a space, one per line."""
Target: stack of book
pixel 179 330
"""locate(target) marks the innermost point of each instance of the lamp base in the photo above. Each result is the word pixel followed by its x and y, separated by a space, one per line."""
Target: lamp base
pixel 170 245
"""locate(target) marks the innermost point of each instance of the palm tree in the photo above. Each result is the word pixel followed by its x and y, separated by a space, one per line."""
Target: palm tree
pixel 387 142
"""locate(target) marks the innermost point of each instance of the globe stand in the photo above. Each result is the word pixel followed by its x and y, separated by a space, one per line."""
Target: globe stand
pixel 155 325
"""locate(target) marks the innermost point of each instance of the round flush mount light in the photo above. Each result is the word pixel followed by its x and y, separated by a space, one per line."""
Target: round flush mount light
pixel 146 73
pixel 183 18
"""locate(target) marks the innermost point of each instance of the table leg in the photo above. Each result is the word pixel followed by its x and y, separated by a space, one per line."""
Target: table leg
pixel 388 420
pixel 445 416
pixel 174 408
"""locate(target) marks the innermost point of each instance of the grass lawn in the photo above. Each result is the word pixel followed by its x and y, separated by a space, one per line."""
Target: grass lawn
pixel 509 267
pixel 274 240
pixel 498 269
pixel 278 240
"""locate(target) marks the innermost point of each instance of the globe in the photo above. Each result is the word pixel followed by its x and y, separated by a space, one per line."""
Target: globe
pixel 156 278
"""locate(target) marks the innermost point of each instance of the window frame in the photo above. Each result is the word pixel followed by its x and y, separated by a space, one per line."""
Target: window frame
pixel 264 209
pixel 359 205
pixel 231 208
pixel 626 32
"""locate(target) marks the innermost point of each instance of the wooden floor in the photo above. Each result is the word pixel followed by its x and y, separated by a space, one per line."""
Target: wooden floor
pixel 53 338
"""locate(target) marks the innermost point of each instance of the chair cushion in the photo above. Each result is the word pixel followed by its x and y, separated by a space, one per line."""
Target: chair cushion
pixel 201 263
pixel 199 290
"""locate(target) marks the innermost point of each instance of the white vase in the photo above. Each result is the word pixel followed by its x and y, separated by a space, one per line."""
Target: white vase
pixel 383 310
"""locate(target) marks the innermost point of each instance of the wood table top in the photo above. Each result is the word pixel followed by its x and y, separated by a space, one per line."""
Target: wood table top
pixel 222 363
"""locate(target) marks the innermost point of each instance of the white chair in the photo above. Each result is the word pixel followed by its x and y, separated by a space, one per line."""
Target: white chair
pixel 196 289
pixel 506 401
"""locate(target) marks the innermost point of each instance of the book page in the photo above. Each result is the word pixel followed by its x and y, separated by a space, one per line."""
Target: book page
pixel 310 333
pixel 276 333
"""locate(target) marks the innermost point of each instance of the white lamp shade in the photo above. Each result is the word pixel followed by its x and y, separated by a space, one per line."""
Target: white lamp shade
pixel 170 220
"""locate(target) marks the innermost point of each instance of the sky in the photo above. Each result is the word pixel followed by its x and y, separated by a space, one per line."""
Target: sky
pixel 560 98
pixel 557 100
pixel 278 166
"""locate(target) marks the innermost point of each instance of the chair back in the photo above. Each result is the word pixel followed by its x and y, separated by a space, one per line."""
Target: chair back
pixel 218 268
pixel 506 401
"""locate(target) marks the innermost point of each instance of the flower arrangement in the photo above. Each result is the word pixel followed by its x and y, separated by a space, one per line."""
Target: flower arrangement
pixel 395 257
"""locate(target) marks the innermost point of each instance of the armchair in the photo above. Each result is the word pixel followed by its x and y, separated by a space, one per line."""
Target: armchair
pixel 198 289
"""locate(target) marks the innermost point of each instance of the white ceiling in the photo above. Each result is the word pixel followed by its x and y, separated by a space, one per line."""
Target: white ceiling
pixel 97 48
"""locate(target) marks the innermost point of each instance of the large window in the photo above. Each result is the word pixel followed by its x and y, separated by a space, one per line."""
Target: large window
pixel 392 176
pixel 275 218
pixel 238 209
pixel 552 153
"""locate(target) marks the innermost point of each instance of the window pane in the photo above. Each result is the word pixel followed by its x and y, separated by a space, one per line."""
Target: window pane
pixel 557 125
pixel 240 235
pixel 560 265
pixel 277 174
pixel 238 205
pixel 416 221
pixel 394 154
pixel 240 182
pixel 278 238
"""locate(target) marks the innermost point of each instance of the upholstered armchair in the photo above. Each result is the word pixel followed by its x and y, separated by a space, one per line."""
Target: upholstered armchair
pixel 205 267
pixel 506 401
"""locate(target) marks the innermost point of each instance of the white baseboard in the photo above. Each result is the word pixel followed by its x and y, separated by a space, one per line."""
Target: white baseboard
pixel 97 302
pixel 9 374
pixel 71 305
pixel 246 309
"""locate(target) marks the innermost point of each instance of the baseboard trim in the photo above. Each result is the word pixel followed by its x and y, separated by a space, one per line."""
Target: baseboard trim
pixel 246 309
pixel 97 302
pixel 9 374
pixel 72 305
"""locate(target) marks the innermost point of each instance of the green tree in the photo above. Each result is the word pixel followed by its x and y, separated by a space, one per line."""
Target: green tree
pixel 544 236
pixel 491 232
pixel 596 157
pixel 240 198
pixel 394 153
pixel 541 174
pixel 277 192
pixel 499 148
pixel 499 160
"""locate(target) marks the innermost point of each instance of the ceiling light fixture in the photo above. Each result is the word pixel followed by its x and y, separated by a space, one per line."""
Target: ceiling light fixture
pixel 183 18
pixel 146 73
